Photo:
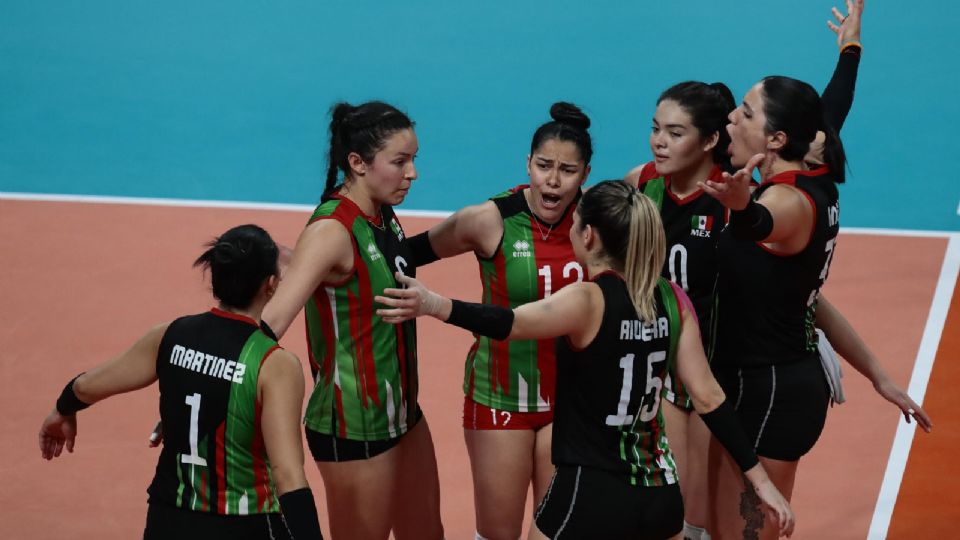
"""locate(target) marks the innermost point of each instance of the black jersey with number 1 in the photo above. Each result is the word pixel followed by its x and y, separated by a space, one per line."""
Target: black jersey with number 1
pixel 213 458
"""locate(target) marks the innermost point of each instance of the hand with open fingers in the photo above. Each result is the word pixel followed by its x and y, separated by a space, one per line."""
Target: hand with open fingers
pixel 57 432
pixel 734 190
pixel 777 506
pixel 849 25
pixel 408 303
pixel 894 394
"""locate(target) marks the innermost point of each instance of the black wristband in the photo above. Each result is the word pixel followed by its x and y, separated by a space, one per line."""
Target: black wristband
pixel 752 223
pixel 487 320
pixel 300 514
pixel 421 249
pixel 725 426
pixel 68 403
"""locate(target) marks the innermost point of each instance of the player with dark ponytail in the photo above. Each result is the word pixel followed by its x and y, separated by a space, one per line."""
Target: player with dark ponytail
pixel 521 240
pixel 364 425
pixel 230 400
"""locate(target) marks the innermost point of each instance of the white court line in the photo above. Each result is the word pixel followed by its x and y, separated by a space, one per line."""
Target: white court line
pixel 922 368
pixel 48 197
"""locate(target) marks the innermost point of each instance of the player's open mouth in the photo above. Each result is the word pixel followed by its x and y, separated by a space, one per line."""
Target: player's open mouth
pixel 550 201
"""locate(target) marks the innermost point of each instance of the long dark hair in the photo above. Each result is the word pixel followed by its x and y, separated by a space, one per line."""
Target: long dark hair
pixel 794 107
pixel 363 129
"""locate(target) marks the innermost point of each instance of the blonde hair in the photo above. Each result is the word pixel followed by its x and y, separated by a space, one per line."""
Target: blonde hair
pixel 629 224
pixel 646 250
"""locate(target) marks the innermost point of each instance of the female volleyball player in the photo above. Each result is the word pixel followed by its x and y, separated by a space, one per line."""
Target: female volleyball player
pixel 615 475
pixel 520 238
pixel 363 422
pixel 230 401
pixel 773 259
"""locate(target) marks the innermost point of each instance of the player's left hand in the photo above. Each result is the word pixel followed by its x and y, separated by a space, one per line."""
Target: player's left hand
pixel 848 29
pixel 894 394
pixel 408 303
pixel 57 432
pixel 734 190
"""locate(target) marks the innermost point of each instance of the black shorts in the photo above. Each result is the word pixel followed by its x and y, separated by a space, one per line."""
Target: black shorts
pixel 782 408
pixel 582 502
pixel 329 448
pixel 165 522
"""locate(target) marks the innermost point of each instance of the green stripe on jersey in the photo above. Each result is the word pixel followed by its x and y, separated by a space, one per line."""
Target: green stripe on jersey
pixel 506 375
pixel 359 392
pixel 241 479
pixel 655 189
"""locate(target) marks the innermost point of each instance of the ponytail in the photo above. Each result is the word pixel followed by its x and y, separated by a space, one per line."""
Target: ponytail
pixel 834 155
pixel 646 250
pixel 629 225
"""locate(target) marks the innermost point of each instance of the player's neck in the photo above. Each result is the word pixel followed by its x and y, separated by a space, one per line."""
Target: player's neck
pixel 774 165
pixel 359 196
pixel 684 183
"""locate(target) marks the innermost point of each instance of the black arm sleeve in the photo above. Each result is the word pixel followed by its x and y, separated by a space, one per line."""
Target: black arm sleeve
pixel 838 95
pixel 485 319
pixel 421 249
pixel 725 426
pixel 300 514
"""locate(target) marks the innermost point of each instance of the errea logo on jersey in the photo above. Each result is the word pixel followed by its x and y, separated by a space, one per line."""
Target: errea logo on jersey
pixel 521 248
pixel 374 252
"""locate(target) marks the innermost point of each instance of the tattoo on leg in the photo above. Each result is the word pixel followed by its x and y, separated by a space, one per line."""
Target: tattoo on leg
pixel 751 512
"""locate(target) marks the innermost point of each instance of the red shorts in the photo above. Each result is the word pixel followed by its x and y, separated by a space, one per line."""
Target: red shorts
pixel 477 416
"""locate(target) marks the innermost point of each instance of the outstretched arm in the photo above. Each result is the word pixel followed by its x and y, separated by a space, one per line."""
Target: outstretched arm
pixel 477 228
pixel 851 347
pixel 838 95
pixel 571 311
pixel 133 369
pixel 323 252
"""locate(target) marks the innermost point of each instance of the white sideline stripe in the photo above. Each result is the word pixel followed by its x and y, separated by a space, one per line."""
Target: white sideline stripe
pixel 53 197
pixel 922 368
pixel 148 201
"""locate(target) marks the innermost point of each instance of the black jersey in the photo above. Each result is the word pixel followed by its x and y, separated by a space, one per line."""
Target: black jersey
pixel 213 458
pixel 692 225
pixel 608 394
pixel 766 301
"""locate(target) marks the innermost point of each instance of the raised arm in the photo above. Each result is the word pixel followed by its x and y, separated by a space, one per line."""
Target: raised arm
pixel 324 252
pixel 135 368
pixel 477 228
pixel 838 95
pixel 280 389
pixel 851 347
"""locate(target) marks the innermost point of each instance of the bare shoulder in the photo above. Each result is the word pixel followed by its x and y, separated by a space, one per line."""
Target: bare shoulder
pixel 633 177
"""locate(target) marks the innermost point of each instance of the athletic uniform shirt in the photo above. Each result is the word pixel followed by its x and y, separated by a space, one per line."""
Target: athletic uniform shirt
pixel 533 260
pixel 213 457
pixel 692 225
pixel 608 413
pixel 766 301
pixel 365 369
